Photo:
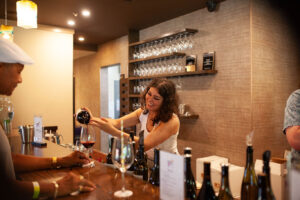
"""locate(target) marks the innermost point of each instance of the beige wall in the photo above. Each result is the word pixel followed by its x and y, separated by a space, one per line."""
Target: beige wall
pixel 46 89
pixel 248 41
pixel 87 75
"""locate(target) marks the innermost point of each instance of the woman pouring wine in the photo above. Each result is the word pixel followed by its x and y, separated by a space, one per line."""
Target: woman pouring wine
pixel 157 116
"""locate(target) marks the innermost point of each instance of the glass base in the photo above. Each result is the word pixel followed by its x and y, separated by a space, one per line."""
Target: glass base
pixel 125 193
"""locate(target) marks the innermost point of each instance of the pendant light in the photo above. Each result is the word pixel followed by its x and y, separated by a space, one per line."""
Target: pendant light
pixel 6 31
pixel 27 14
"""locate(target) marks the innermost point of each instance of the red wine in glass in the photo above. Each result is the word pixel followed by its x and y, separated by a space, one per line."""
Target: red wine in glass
pixel 88 144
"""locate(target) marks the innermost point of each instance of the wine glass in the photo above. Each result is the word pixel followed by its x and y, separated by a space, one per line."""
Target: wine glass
pixel 122 157
pixel 88 139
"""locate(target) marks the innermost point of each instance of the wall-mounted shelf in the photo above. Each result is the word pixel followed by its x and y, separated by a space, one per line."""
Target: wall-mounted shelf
pixel 157 57
pixel 188 117
pixel 134 95
pixel 186 30
pixel 201 72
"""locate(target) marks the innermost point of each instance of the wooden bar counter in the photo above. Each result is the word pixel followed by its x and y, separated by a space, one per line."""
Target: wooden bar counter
pixel 107 179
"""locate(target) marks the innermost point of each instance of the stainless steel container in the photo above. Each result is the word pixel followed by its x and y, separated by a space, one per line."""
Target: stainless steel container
pixel 27 133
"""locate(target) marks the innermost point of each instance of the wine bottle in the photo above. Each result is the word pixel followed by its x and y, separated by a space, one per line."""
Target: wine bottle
pixel 132 167
pixel 190 185
pixel 262 190
pixel 266 170
pixel 154 177
pixel 249 183
pixel 187 150
pixel 109 155
pixel 206 192
pixel 83 116
pixel 225 192
pixel 142 167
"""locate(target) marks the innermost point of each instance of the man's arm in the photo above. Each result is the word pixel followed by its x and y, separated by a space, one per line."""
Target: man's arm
pixel 293 137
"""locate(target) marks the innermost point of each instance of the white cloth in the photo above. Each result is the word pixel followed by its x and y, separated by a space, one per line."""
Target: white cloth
pixel 169 145
pixel 12 53
pixel 7 171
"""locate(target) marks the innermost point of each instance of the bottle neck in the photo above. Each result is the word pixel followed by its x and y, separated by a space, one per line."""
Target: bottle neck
pixel 249 156
pixel 206 172
pixel 262 192
pixel 141 151
pixel 224 179
pixel 188 164
pixel 156 158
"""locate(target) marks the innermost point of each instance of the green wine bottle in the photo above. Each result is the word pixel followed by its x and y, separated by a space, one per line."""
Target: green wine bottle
pixel 225 192
pixel 262 189
pixel 190 185
pixel 109 155
pixel 142 167
pixel 154 177
pixel 206 192
pixel 266 170
pixel 249 184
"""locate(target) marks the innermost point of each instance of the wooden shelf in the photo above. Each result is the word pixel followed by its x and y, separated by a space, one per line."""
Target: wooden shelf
pixel 188 117
pixel 157 57
pixel 202 72
pixel 134 95
pixel 186 30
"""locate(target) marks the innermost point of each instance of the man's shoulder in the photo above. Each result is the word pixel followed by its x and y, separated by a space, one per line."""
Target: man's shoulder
pixel 294 97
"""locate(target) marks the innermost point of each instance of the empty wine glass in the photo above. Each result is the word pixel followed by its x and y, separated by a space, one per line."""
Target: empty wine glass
pixel 122 157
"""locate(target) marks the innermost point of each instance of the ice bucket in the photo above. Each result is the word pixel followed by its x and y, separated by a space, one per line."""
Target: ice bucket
pixel 26 133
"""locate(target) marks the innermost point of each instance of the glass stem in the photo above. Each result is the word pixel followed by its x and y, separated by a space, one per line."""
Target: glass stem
pixel 123 179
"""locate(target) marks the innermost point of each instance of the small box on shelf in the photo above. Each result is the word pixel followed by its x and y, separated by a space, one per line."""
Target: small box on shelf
pixel 209 61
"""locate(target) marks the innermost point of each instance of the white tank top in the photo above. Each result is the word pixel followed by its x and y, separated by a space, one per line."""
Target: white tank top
pixel 169 145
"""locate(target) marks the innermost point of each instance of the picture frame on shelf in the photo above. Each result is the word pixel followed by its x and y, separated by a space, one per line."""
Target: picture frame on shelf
pixel 209 61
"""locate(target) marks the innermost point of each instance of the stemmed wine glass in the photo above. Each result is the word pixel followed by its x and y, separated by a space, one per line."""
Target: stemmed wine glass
pixel 88 138
pixel 122 157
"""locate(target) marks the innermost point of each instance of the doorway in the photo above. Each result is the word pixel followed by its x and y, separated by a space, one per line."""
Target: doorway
pixel 109 98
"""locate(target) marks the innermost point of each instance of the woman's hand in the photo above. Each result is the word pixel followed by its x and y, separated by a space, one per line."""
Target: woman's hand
pixel 103 124
pixel 76 158
pixel 72 183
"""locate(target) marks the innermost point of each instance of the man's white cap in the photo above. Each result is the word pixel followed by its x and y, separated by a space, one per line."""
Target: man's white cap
pixel 12 53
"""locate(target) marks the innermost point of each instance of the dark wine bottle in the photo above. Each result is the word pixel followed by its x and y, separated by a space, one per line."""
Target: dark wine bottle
pixel 132 167
pixel 189 182
pixel 249 184
pixel 187 150
pixel 225 192
pixel 83 116
pixel 262 189
pixel 109 155
pixel 206 192
pixel 266 170
pixel 154 177
pixel 142 167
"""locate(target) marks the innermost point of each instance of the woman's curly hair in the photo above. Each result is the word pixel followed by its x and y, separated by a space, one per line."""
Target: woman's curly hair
pixel 167 90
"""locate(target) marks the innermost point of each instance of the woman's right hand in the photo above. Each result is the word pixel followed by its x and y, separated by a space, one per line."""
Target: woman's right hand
pixel 72 183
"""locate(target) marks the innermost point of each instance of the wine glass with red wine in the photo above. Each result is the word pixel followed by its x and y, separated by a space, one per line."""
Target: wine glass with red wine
pixel 88 138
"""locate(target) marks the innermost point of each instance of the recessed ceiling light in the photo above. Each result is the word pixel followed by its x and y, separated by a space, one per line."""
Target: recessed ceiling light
pixel 57 30
pixel 86 13
pixel 81 38
pixel 71 22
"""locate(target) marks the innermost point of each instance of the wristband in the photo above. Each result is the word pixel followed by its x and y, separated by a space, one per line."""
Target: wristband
pixel 36 190
pixel 56 186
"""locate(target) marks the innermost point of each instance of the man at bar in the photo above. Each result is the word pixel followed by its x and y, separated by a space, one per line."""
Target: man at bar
pixel 292 126
pixel 12 61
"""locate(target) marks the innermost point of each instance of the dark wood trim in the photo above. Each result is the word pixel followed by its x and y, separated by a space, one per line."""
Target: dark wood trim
pixel 201 72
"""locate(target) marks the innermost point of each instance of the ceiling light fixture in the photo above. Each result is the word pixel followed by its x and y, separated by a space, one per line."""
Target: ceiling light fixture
pixel 6 31
pixel 27 14
pixel 81 39
pixel 71 22
pixel 86 13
